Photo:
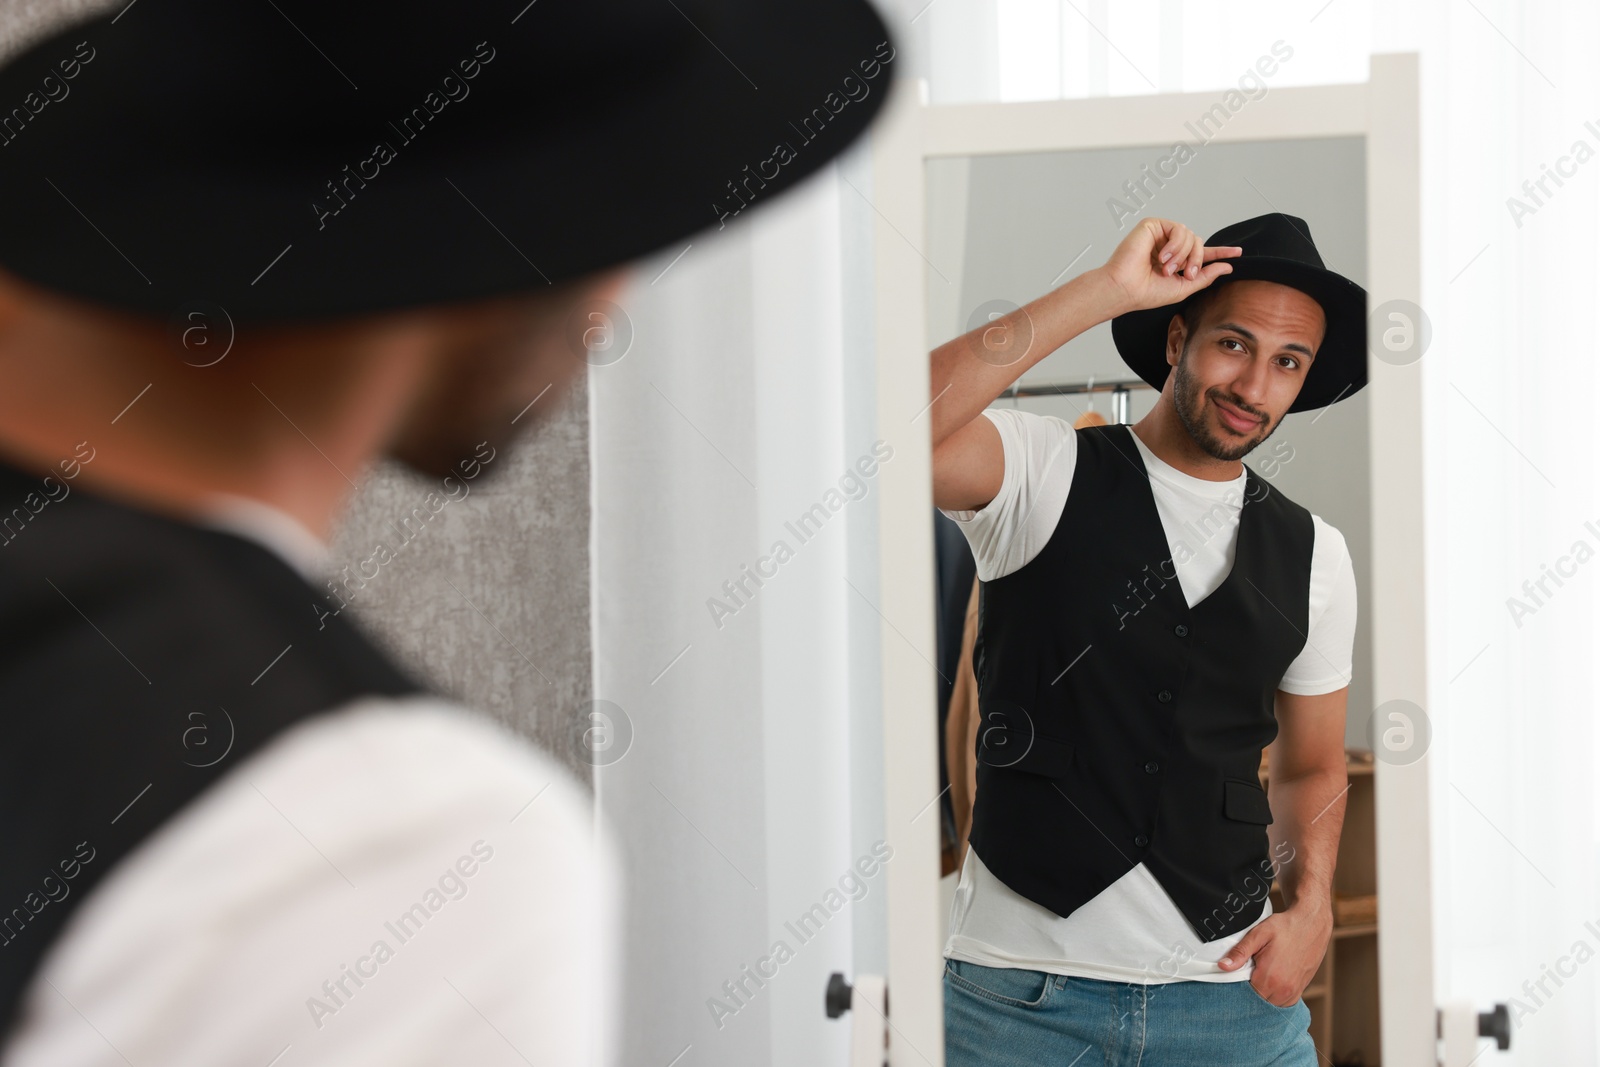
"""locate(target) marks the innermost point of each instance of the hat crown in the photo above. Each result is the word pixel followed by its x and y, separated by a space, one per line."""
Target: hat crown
pixel 1276 235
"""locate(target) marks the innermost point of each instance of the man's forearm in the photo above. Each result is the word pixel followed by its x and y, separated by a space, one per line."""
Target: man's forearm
pixel 1308 814
pixel 966 374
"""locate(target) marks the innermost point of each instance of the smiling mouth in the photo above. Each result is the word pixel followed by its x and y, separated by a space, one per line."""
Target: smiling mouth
pixel 1234 419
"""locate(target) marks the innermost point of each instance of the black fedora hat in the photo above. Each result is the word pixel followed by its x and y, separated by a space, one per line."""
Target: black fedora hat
pixel 1275 248
pixel 291 160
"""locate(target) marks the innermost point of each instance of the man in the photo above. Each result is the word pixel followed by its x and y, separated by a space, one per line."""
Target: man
pixel 1153 615
pixel 253 251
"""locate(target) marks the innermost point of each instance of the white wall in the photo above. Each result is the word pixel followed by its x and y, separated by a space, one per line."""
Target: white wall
pixel 752 784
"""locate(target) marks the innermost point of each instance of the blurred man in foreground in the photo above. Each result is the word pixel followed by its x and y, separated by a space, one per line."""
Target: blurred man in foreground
pixel 252 252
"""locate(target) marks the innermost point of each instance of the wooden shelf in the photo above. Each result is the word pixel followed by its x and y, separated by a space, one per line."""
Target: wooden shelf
pixel 1355 930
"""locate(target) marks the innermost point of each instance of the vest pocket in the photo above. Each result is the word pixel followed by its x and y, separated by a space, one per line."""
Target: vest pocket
pixel 1246 802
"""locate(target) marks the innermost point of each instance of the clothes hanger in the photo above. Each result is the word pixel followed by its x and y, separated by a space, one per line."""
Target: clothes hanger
pixel 1091 417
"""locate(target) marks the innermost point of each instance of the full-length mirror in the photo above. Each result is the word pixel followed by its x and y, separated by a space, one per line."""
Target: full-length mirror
pixel 1080 891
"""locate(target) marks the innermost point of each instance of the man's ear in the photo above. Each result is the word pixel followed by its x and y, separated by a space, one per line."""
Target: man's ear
pixel 1176 335
pixel 610 284
pixel 12 298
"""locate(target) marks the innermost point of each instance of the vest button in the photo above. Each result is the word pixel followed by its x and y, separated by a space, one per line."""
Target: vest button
pixel 1152 767
pixel 1141 841
pixel 1181 630
pixel 1165 696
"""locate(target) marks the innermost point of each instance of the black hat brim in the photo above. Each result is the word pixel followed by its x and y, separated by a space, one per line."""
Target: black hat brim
pixel 1339 369
pixel 185 161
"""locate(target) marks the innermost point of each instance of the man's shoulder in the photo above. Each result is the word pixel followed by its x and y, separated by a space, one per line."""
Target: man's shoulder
pixel 373 781
pixel 381 785
pixel 367 822
pixel 1330 541
pixel 1038 441
pixel 1030 424
pixel 423 751
pixel 1328 548
pixel 1328 537
pixel 1263 491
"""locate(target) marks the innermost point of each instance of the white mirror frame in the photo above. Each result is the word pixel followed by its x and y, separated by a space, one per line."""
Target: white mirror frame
pixel 1384 110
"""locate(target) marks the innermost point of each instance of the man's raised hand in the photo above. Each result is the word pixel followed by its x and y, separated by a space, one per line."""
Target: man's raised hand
pixel 1161 262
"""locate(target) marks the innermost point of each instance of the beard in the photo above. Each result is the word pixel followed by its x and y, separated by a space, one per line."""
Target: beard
pixel 1191 404
pixel 498 385
pixel 460 425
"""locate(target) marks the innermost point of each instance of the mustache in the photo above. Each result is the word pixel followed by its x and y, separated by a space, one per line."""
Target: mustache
pixel 1240 404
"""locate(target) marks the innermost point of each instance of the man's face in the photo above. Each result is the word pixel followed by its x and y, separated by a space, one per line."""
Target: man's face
pixel 1235 376
pixel 494 358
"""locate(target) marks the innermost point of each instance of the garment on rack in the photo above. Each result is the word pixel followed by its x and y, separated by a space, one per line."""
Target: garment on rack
pixel 961 731
pixel 955 571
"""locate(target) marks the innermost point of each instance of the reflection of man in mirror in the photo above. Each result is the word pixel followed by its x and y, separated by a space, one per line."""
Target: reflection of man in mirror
pixel 1163 614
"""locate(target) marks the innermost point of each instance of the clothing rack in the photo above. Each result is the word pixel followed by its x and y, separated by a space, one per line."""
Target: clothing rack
pixel 1119 391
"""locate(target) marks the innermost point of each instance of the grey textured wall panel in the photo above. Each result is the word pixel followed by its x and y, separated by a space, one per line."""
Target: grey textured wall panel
pixel 488 597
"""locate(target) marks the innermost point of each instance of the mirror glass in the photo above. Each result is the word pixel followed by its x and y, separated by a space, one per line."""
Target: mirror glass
pixel 1002 230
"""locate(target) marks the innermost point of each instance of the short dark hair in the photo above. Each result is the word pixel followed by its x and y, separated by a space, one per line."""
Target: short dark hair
pixel 1194 307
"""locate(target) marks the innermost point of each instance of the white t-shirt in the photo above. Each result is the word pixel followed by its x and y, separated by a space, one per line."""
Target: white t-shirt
pixel 245 930
pixel 1132 931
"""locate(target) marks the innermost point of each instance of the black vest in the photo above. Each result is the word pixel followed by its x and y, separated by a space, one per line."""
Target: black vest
pixel 1119 725
pixel 142 658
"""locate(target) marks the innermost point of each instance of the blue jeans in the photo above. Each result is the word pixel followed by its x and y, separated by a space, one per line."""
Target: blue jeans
pixel 996 1017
